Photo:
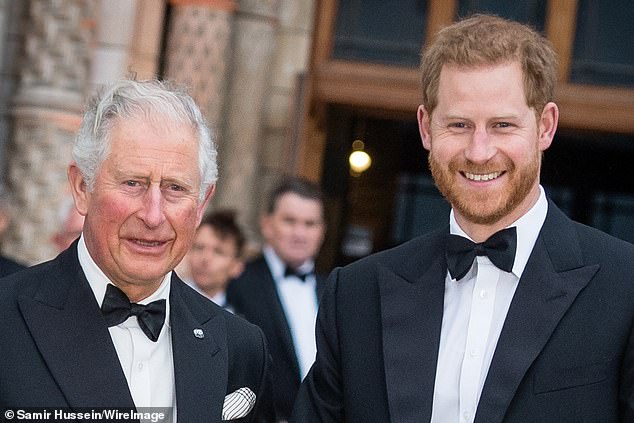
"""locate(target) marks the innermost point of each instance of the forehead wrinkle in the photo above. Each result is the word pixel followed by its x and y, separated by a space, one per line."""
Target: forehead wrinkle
pixel 166 169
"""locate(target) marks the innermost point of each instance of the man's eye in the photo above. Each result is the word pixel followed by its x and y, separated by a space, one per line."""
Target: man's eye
pixel 132 183
pixel 458 125
pixel 175 187
pixel 502 125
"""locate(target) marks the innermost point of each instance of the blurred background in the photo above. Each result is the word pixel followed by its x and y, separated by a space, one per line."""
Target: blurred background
pixel 296 87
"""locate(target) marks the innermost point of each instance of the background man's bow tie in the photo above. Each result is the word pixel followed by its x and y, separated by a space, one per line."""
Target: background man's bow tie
pixel 116 308
pixel 499 248
pixel 289 271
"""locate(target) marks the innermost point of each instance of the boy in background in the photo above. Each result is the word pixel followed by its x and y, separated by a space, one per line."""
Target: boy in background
pixel 216 256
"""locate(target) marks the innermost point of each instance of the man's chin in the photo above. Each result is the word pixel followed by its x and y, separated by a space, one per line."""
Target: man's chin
pixel 147 272
pixel 481 212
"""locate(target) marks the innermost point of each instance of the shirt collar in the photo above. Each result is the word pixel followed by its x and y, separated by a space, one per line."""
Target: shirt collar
pixel 528 228
pixel 277 265
pixel 98 281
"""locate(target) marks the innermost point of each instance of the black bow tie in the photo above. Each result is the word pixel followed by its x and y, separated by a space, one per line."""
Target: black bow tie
pixel 289 271
pixel 116 308
pixel 500 248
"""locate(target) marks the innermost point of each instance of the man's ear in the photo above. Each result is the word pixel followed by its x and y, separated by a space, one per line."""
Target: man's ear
pixel 236 269
pixel 265 226
pixel 424 124
pixel 5 220
pixel 200 210
pixel 547 125
pixel 78 188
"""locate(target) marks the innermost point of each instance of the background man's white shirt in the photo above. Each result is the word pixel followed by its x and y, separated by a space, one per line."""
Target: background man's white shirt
pixel 299 300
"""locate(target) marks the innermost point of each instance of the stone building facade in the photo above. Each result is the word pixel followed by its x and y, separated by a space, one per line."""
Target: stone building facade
pixel 242 60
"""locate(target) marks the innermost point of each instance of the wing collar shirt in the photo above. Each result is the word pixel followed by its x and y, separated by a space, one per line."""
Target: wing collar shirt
pixel 299 301
pixel 475 308
pixel 148 366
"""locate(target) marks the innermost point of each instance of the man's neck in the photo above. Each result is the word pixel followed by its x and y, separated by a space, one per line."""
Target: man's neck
pixel 480 232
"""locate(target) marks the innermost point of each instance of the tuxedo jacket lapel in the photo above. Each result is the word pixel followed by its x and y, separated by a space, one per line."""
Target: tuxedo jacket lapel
pixel 72 337
pixel 552 279
pixel 199 361
pixel 411 309
pixel 277 316
pixel 320 285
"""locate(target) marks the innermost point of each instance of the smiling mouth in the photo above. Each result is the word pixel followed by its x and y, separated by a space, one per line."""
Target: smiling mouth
pixel 482 177
pixel 144 243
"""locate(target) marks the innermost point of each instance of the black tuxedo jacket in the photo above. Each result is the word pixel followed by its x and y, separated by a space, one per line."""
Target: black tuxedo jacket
pixel 254 296
pixel 565 354
pixel 8 266
pixel 56 350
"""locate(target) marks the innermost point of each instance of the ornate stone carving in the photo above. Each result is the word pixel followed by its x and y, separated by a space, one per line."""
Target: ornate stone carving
pixel 57 47
pixel 197 55
pixel 53 79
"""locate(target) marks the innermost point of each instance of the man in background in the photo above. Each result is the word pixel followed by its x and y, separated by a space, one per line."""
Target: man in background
pixel 216 255
pixel 279 291
pixel 71 223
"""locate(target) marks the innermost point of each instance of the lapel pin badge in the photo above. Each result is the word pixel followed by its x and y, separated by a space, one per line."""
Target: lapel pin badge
pixel 198 333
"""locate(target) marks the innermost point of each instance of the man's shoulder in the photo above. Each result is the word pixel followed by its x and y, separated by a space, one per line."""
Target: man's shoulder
pixel 9 266
pixel 29 278
pixel 255 266
pixel 423 247
pixel 597 243
pixel 256 272
pixel 241 334
pixel 234 324
pixel 39 280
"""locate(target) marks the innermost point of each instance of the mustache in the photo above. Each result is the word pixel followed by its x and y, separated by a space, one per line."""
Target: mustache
pixel 500 164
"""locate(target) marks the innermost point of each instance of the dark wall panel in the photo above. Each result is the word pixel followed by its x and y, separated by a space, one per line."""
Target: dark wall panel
pixel 380 31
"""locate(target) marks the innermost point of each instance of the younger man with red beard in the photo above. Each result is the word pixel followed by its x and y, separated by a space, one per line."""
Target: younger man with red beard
pixel 512 312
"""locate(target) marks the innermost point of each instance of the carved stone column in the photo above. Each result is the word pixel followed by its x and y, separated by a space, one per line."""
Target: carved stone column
pixel 253 47
pixel 285 99
pixel 12 15
pixel 198 38
pixel 47 111
pixel 196 53
pixel 128 40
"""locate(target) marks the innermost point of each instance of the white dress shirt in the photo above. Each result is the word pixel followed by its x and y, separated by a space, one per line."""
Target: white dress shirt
pixel 148 366
pixel 299 301
pixel 475 308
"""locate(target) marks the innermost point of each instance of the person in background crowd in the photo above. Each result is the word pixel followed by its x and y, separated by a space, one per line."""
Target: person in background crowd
pixel 7 265
pixel 511 313
pixel 107 323
pixel 216 255
pixel 71 223
pixel 279 291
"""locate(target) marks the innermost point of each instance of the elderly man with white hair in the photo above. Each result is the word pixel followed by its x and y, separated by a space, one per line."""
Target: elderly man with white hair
pixel 108 324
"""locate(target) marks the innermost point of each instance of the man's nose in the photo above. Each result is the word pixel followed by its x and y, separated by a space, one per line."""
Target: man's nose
pixel 152 212
pixel 480 148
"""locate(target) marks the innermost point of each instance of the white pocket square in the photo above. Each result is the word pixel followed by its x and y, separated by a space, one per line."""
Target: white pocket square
pixel 238 404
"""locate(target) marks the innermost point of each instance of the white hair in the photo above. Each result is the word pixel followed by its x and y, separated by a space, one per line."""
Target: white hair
pixel 152 99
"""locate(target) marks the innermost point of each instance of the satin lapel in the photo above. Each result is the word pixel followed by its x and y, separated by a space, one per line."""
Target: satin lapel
pixel 200 362
pixel 271 299
pixel 66 324
pixel 411 311
pixel 552 279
